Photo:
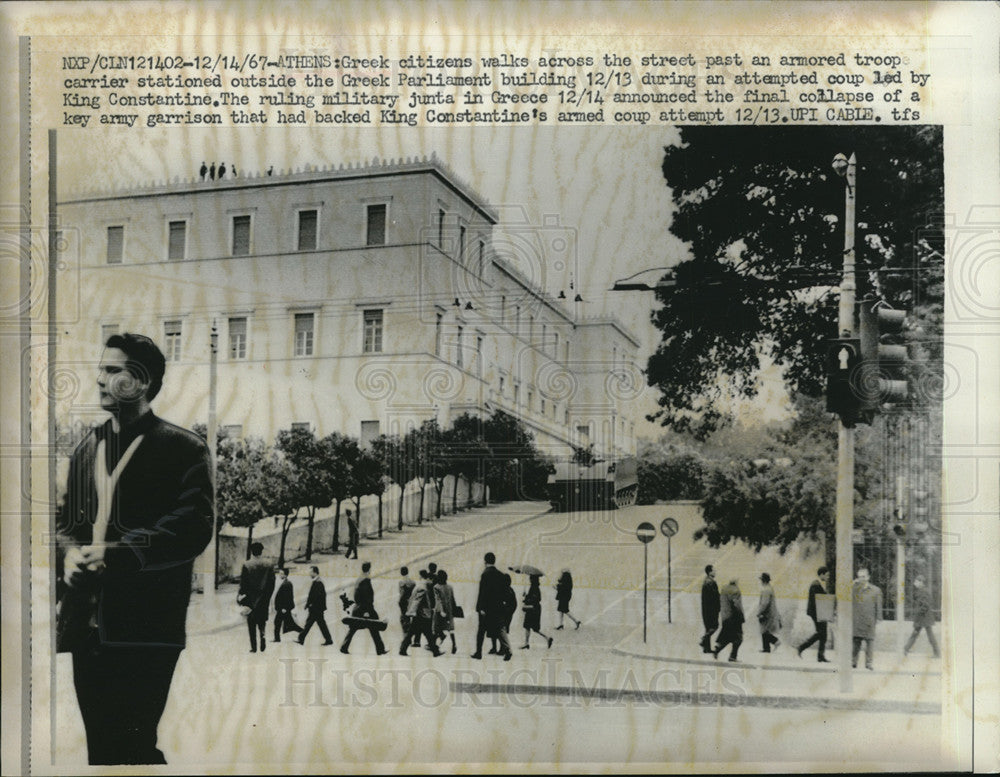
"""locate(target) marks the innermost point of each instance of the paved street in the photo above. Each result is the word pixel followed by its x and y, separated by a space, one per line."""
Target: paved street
pixel 599 695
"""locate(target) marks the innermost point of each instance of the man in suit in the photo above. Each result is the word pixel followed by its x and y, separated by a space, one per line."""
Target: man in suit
pixel 316 606
pixel 731 612
pixel 709 608
pixel 284 603
pixel 490 606
pixel 867 612
pixel 406 585
pixel 353 534
pixel 136 513
pixel 818 587
pixel 364 607
pixel 256 587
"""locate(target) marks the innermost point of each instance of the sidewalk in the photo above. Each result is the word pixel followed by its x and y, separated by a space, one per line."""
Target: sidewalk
pixel 213 612
pixel 910 684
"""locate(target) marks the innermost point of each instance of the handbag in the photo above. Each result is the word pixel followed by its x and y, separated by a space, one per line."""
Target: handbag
pixel 458 612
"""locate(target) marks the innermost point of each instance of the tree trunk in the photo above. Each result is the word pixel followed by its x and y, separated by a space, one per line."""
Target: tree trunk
pixel 310 515
pixel 249 541
pixel 285 526
pixel 420 513
pixel 380 516
pixel 439 487
pixel 454 497
pixel 399 526
pixel 336 529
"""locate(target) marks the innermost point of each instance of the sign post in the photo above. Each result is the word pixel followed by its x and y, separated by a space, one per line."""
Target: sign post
pixel 668 528
pixel 645 532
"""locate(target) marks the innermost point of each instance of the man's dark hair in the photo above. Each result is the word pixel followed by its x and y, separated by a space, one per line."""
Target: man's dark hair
pixel 423 574
pixel 256 549
pixel 442 576
pixel 708 569
pixel 366 566
pixel 404 571
pixel 489 558
pixel 432 569
pixel 145 360
pixel 821 571
pixel 315 569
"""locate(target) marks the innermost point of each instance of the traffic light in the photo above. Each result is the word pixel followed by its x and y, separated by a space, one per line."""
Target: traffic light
pixel 843 356
pixel 881 377
pixel 912 519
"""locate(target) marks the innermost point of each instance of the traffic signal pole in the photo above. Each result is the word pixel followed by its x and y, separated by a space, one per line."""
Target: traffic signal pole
pixel 845 443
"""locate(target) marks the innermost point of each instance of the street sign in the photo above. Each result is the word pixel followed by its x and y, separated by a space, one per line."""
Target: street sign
pixel 646 532
pixel 669 528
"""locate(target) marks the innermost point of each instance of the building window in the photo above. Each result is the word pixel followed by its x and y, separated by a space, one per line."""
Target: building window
pixel 479 356
pixel 566 359
pixel 555 345
pixel 500 390
pixel 437 334
pixel 531 330
pixel 176 239
pixel 482 257
pixel 301 426
pixel 308 223
pixel 517 395
pixel 172 338
pixel 373 331
pixel 503 309
pixel 107 330
pixel 583 432
pixel 304 331
pixel 543 408
pixel 545 338
pixel 531 400
pixel 375 225
pixel 369 433
pixel 517 320
pixel 458 345
pixel 461 243
pixel 233 431
pixel 241 235
pixel 238 338
pixel 116 244
pixel 566 416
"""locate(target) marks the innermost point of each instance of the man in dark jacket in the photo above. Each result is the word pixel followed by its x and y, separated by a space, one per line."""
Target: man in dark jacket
pixel 256 587
pixel 923 617
pixel 490 606
pixel 709 608
pixel 818 587
pixel 364 607
pixel 420 613
pixel 136 513
pixel 316 606
pixel 731 611
pixel 353 534
pixel 284 603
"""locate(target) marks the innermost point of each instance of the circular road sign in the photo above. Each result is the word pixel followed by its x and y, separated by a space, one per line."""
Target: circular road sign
pixel 645 532
pixel 669 527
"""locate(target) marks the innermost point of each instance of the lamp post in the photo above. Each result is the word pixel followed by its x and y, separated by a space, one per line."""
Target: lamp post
pixel 847 169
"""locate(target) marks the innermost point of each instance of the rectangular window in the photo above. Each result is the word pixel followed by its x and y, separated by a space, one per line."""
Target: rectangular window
pixel 531 329
pixel 301 426
pixel 567 352
pixel 238 338
pixel 458 345
pixel 172 339
pixel 482 257
pixel 241 235
pixel 583 432
pixel 116 243
pixel 555 345
pixel 479 356
pixel 177 239
pixel 441 228
pixel 304 330
pixel 107 330
pixel 545 338
pixel 531 400
pixel 542 400
pixel 517 320
pixel 437 334
pixel 517 395
pixel 375 228
pixel 308 222
pixel 461 243
pixel 233 431
pixel 500 390
pixel 369 433
pixel 373 331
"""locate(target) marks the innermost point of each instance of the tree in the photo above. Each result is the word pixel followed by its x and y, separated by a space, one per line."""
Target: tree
pixel 469 453
pixel 397 465
pixel 763 213
pixel 278 489
pixel 341 455
pixel 368 477
pixel 309 458
pixel 421 445
pixel 514 468
pixel 239 482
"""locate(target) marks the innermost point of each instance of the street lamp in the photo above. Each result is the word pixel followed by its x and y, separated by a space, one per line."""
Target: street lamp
pixel 847 169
